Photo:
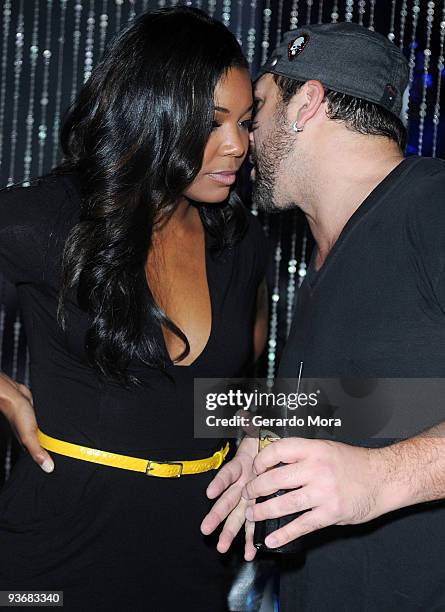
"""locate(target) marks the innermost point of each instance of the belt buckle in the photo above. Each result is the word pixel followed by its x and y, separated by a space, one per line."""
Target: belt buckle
pixel 181 465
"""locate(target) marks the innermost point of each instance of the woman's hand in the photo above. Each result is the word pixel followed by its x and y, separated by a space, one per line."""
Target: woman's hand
pixel 17 405
pixel 231 507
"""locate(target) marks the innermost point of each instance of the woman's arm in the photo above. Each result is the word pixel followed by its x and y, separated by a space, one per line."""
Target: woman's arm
pixel 261 320
pixel 230 508
pixel 17 405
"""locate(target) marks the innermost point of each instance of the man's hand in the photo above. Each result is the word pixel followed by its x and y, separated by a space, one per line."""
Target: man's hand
pixel 339 485
pixel 231 507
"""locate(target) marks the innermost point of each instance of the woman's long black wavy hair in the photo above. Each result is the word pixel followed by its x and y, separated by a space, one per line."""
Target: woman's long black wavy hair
pixel 136 135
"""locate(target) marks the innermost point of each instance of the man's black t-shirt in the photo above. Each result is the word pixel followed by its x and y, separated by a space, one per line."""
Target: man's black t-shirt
pixel 376 308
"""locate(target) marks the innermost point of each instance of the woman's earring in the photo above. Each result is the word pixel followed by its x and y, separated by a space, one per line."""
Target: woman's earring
pixel 296 128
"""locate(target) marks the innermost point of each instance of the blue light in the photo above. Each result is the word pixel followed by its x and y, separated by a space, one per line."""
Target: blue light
pixel 428 79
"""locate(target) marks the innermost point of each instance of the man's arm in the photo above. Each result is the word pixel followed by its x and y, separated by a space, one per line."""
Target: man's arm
pixel 414 469
pixel 342 484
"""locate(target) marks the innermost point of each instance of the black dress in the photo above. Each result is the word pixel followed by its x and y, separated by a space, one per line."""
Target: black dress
pixel 113 539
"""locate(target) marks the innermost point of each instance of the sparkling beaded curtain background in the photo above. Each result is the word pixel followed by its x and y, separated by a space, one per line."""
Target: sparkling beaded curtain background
pixel 50 46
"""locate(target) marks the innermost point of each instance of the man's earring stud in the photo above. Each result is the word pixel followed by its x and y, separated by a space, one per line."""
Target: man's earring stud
pixel 296 128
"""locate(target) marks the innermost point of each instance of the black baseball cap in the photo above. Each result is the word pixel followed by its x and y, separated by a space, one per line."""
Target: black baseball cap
pixel 345 57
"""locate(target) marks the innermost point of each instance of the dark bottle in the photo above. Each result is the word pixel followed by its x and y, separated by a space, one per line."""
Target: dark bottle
pixel 264 528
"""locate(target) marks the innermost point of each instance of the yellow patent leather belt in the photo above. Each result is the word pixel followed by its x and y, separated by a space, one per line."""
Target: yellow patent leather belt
pixel 150 467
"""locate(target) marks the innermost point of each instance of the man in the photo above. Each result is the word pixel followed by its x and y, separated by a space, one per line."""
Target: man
pixel 329 140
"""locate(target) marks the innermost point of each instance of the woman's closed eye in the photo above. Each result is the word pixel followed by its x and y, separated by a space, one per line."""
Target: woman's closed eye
pixel 247 124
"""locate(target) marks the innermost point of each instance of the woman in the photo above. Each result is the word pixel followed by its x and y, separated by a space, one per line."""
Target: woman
pixel 137 270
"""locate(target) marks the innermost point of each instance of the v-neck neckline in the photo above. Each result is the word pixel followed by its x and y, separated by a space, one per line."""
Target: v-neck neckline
pixel 214 314
pixel 313 276
pixel 213 308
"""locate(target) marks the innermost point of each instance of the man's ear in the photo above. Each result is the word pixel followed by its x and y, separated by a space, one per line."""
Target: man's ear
pixel 306 102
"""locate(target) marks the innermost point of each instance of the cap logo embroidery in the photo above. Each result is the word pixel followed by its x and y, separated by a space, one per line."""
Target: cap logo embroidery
pixel 296 46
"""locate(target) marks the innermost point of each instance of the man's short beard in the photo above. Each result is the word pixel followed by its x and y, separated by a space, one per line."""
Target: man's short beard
pixel 275 148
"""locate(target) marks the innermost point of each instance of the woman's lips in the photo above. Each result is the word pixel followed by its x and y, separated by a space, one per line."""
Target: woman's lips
pixel 223 178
